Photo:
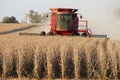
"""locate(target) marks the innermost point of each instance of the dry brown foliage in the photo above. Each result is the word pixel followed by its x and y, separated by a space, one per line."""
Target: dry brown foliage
pixel 59 57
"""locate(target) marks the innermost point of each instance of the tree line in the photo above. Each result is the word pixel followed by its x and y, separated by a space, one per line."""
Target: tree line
pixel 32 16
pixel 11 19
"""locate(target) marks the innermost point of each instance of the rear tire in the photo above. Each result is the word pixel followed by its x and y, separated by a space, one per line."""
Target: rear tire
pixel 42 33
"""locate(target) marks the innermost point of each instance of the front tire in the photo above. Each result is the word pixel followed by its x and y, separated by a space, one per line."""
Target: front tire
pixel 84 35
pixel 75 34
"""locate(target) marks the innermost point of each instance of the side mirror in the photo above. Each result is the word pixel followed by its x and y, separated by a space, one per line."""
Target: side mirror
pixel 81 17
pixel 47 16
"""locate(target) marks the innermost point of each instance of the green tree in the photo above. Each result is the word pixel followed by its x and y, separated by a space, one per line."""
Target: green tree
pixel 6 20
pixel 11 19
pixel 34 17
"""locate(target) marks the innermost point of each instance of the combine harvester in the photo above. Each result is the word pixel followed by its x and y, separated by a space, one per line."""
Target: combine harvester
pixel 65 21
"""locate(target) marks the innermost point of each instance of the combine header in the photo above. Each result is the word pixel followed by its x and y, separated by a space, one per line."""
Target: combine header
pixel 65 21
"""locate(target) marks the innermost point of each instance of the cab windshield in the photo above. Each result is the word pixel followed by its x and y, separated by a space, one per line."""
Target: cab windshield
pixel 64 21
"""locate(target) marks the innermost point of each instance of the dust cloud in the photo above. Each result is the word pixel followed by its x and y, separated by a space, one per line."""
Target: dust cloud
pixel 110 25
pixel 117 14
pixel 113 24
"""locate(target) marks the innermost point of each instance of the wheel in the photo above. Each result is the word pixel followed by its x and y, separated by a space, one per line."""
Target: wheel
pixel 42 33
pixel 84 35
pixel 75 34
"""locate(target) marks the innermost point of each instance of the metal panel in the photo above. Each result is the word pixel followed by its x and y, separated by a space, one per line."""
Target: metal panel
pixel 53 22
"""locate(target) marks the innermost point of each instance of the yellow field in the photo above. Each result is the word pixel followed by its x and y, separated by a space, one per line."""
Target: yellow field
pixel 59 57
pixel 10 27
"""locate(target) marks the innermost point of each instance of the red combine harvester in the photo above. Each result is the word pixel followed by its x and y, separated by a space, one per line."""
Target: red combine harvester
pixel 65 21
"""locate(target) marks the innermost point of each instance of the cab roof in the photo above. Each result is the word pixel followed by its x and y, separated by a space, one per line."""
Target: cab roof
pixel 63 10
